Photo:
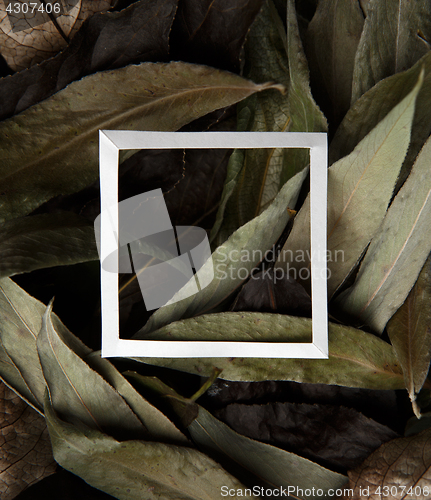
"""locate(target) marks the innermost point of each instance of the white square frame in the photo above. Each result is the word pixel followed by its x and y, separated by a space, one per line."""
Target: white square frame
pixel 111 142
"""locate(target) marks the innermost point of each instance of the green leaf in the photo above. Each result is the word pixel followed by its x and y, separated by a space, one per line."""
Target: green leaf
pixel 410 332
pixel 375 104
pixel 272 465
pixel 253 239
pixel 131 469
pixel 242 326
pixel 46 240
pixel 44 154
pixel 77 391
pixel 360 187
pixel 159 427
pixel 356 358
pixel 255 176
pixel 276 467
pixel 396 35
pixel 397 252
pixel 20 323
pixel 331 42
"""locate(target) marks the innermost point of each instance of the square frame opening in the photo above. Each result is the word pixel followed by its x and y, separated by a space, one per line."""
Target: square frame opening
pixel 111 142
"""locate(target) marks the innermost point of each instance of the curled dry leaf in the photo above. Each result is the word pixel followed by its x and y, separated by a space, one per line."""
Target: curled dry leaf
pixel 28 36
pixel 77 391
pixel 26 455
pixel 400 468
pixel 254 174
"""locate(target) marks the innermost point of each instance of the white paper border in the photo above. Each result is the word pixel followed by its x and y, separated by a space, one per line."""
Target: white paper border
pixel 112 141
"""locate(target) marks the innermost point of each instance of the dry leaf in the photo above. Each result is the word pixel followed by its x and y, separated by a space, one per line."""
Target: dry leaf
pixel 409 331
pixel 28 35
pixel 25 447
pixel 398 470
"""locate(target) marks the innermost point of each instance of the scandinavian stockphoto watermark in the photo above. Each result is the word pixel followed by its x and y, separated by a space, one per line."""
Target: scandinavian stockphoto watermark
pixel 234 264
pixel 174 264
pixel 164 258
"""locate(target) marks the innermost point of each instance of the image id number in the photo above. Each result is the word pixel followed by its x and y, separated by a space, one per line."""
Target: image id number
pixel 32 7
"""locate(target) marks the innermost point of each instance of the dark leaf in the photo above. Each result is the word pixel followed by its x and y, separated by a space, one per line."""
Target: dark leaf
pixel 40 241
pixel 192 180
pixel 238 453
pixel 274 466
pixel 331 41
pixel 380 406
pixel 106 41
pixel 212 31
pixel 336 437
pixel 70 486
pixel 265 292
pixel 26 455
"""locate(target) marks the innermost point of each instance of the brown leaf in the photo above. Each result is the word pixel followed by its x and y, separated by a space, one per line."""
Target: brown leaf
pixel 26 455
pixel 398 470
pixel 28 36
pixel 336 437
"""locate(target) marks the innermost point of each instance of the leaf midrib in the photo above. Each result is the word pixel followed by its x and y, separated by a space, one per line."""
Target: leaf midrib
pixel 368 165
pixel 389 271
pixel 66 375
pixel 132 111
pixel 84 450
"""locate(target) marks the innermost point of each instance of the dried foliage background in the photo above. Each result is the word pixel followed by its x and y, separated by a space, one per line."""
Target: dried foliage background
pixel 76 425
